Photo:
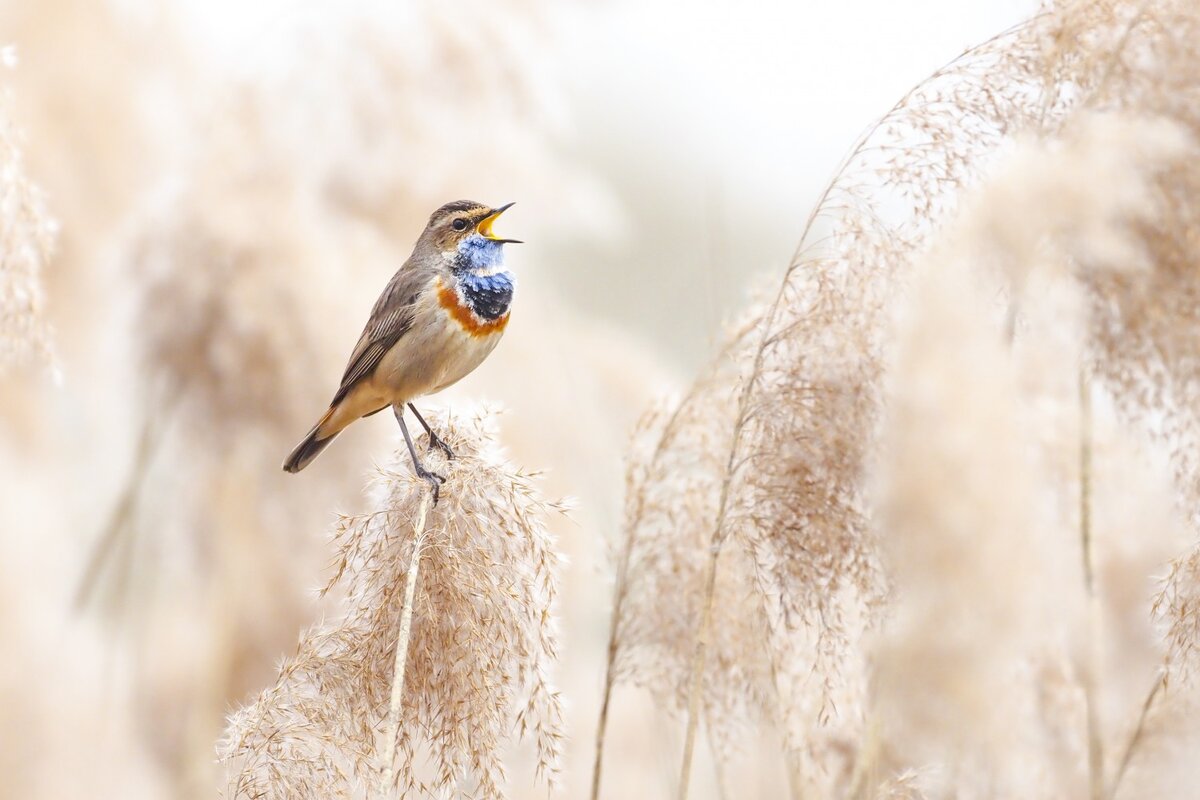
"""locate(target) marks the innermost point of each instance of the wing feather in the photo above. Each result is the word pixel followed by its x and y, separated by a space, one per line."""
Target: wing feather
pixel 390 319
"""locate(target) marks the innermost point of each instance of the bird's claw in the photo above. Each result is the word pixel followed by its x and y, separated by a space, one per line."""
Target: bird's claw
pixel 435 481
pixel 436 441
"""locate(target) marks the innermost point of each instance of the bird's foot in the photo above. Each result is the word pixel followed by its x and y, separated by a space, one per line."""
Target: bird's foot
pixel 435 481
pixel 436 441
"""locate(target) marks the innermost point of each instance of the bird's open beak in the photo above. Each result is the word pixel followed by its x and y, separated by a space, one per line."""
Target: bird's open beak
pixel 485 225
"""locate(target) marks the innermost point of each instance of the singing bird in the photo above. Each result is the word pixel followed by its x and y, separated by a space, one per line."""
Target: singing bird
pixel 437 319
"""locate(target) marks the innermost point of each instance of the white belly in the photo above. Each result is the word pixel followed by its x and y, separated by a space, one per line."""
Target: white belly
pixel 464 353
pixel 435 353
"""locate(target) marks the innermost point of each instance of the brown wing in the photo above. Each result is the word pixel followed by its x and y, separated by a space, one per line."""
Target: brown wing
pixel 390 319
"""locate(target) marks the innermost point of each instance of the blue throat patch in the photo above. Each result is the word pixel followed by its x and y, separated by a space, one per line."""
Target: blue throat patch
pixel 489 296
pixel 478 254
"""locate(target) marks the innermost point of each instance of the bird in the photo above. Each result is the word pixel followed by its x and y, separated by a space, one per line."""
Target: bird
pixel 438 318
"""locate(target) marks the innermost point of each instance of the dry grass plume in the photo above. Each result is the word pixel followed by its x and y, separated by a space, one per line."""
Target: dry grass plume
pixel 482 645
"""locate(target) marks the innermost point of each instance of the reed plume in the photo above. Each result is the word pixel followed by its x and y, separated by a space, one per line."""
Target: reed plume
pixel 970 553
pixel 225 350
pixel 663 556
pixel 953 427
pixel 794 433
pixel 1141 326
pixel 919 529
pixel 1107 182
pixel 788 433
pixel 27 236
pixel 482 642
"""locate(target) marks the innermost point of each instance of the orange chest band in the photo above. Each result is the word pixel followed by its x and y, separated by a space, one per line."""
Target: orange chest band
pixel 465 317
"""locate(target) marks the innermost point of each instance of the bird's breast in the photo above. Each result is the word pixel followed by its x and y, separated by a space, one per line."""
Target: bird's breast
pixel 479 304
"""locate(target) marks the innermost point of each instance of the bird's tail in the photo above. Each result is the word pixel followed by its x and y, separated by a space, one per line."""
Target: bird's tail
pixel 311 447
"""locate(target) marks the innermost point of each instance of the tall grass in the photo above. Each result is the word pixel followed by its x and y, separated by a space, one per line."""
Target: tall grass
pixel 293 196
pixel 924 527
pixel 1092 95
pixel 475 579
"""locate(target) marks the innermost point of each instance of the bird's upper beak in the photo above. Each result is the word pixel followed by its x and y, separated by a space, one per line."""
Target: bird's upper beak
pixel 485 225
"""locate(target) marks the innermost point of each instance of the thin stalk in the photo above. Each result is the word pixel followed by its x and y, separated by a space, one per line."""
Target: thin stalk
pixel 402 637
pixel 609 673
pixel 1139 730
pixel 718 767
pixel 694 689
pixel 866 766
pixel 1094 735
pixel 1085 481
pixel 1096 788
pixel 720 528
pixel 621 590
pixel 120 525
pixel 795 770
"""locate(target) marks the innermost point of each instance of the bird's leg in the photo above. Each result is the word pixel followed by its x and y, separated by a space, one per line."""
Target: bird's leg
pixel 433 478
pixel 434 439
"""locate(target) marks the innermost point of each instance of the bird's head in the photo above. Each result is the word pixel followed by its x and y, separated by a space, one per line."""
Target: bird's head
pixel 462 232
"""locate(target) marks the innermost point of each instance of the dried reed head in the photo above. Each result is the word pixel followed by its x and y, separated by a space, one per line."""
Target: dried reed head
pixel 984 454
pixel 795 429
pixel 26 236
pixel 483 640
pixel 231 270
pixel 1142 327
pixel 224 337
pixel 783 433
pixel 965 545
pixel 672 486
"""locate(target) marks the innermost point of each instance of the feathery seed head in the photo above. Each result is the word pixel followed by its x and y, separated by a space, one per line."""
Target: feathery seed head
pixel 26 238
pixel 483 641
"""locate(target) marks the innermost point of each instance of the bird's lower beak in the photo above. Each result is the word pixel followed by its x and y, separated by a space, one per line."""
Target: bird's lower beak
pixel 485 225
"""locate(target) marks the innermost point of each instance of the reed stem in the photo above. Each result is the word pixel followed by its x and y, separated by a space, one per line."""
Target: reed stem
pixel 698 657
pixel 402 638
pixel 610 672
pixel 1139 731
pixel 1094 734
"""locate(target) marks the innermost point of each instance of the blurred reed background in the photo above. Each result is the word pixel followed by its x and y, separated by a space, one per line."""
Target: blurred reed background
pixel 878 486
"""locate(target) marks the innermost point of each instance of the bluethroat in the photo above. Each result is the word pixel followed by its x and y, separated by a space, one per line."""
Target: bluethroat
pixel 437 319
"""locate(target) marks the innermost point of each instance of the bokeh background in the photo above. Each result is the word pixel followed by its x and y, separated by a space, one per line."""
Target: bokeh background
pixel 232 183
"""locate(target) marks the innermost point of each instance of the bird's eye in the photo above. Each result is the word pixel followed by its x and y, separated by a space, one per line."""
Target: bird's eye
pixel 460 224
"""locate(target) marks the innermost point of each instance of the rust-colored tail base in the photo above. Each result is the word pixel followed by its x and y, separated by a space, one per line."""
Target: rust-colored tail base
pixel 311 447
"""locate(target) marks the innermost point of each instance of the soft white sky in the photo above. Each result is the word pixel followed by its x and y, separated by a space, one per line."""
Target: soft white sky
pixel 771 82
pixel 720 118
pixel 759 79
